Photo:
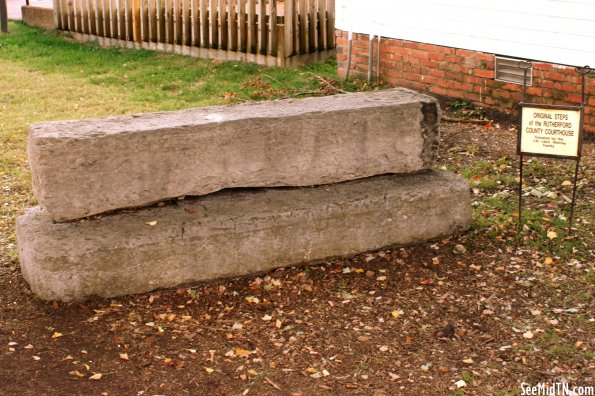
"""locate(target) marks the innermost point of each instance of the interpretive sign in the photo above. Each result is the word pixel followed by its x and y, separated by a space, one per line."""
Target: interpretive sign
pixel 550 131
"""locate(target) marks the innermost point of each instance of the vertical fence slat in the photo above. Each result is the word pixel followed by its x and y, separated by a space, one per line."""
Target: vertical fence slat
pixel 243 40
pixel 232 26
pixel 158 19
pixel 57 14
pixel 330 24
pixel 89 18
pixel 273 29
pixel 204 23
pixel 303 32
pixel 313 22
pixel 251 47
pixel 61 11
pixel 75 15
pixel 262 27
pixel 214 41
pixel 288 22
pixel 223 24
pixel 127 20
pixel 83 16
pixel 151 20
pixel 194 26
pixel 185 23
pixel 104 22
pixel 176 20
pixel 135 14
pixel 97 14
pixel 323 26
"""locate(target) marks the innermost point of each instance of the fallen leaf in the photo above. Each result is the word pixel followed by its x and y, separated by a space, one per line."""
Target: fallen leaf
pixel 396 314
pixel 77 373
pixel 96 377
pixel 209 370
pixel 151 223
pixel 552 234
pixel 528 335
pixel 267 318
pixel 278 324
pixel 567 183
pixel 124 356
pixel 548 261
pixel 57 335
pixel 242 352
pixel 36 358
pixel 252 372
pixel 460 384
pixel 468 361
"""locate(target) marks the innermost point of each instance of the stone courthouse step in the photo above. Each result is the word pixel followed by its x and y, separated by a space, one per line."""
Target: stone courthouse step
pixel 232 233
pixel 81 168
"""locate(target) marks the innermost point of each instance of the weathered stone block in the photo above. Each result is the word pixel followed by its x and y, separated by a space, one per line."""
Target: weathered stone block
pixel 81 168
pixel 228 234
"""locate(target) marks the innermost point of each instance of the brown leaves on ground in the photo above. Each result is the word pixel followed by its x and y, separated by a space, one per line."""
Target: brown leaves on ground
pixel 472 313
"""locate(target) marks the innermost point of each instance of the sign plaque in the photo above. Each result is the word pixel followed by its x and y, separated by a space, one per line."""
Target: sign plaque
pixel 550 131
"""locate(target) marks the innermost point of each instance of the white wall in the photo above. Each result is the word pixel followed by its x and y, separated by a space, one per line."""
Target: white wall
pixel 558 31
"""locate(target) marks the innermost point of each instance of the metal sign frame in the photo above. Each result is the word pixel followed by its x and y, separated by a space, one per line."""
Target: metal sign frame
pixel 582 71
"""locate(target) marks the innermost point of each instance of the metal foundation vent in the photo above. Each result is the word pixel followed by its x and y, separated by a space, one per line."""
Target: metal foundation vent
pixel 508 70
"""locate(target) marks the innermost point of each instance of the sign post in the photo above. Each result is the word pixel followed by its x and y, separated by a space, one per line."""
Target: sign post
pixel 550 131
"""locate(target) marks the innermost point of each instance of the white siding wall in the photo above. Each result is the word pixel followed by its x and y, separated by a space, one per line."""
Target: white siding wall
pixel 557 31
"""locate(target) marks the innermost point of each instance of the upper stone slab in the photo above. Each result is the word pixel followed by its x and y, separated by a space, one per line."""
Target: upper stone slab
pixel 86 167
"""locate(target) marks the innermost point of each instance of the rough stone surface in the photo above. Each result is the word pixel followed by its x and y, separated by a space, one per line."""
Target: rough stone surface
pixel 231 233
pixel 81 168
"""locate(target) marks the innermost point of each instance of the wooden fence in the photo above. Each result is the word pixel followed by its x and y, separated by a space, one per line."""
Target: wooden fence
pixel 270 32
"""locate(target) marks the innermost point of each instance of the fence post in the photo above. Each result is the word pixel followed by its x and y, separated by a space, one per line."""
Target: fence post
pixel 3 17
pixel 281 55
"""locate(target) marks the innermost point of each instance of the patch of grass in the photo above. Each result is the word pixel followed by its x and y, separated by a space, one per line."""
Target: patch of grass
pixel 166 81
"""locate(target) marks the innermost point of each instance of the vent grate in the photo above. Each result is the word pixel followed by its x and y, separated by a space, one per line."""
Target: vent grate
pixel 508 70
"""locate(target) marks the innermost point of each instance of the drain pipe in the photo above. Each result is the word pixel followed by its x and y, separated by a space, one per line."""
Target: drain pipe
pixel 370 57
pixel 349 48
pixel 378 62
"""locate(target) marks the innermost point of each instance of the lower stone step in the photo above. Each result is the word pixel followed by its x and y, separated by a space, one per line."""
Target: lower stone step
pixel 233 233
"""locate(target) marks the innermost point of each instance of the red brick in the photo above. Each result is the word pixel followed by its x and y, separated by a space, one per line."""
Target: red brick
pixel 573 98
pixel 483 73
pixel 472 80
pixel 485 57
pixel 410 44
pixel 512 87
pixel 438 90
pixel 591 101
pixel 462 86
pixel 454 76
pixel 437 73
pixel 454 59
pixel 341 57
pixel 437 56
pixel 429 47
pixel 555 76
pixel 427 63
pixel 411 76
pixel 544 83
pixel 463 52
pixel 534 91
pixel 543 66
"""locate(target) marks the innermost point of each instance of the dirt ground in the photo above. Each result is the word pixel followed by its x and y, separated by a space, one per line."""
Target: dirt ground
pixel 432 319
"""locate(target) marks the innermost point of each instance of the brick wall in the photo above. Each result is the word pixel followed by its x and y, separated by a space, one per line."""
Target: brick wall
pixel 464 74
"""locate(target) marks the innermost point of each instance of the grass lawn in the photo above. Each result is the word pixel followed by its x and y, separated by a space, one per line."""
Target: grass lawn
pixel 474 310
